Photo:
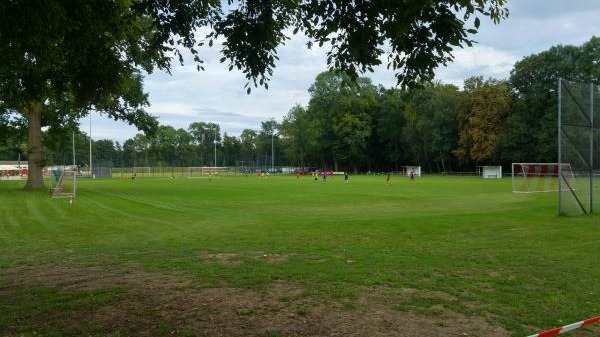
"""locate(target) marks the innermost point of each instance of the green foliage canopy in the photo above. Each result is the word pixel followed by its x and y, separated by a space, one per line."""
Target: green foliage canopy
pixel 60 59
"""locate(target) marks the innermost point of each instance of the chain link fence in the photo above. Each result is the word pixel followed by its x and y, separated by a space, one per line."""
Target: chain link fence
pixel 579 147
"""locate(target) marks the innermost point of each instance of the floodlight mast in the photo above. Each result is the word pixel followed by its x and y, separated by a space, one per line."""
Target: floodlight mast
pixel 73 148
pixel 255 155
pixel 215 142
pixel 91 174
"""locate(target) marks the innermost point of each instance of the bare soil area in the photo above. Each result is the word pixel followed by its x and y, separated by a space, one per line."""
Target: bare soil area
pixel 155 304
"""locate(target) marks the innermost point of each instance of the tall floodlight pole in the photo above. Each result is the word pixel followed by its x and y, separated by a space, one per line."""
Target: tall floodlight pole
pixel 215 141
pixel 560 160
pixel 255 155
pixel 592 168
pixel 73 148
pixel 202 149
pixel 91 171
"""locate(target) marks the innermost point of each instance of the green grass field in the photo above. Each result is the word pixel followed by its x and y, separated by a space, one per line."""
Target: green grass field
pixel 505 257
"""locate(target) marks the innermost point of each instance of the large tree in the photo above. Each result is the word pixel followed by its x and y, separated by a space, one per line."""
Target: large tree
pixel 482 115
pixel 298 136
pixel 164 144
pixel 64 58
pixel 386 146
pixel 531 130
pixel 416 36
pixel 340 114
pixel 267 141
pixel 429 131
pixel 248 144
pixel 184 148
pixel 231 150
pixel 60 59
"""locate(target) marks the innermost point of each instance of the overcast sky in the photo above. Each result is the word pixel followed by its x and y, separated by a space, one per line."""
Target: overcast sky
pixel 217 95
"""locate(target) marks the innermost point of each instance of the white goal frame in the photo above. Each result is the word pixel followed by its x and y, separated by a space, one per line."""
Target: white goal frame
pixel 540 177
pixel 416 170
pixel 198 171
pixel 65 184
pixel 491 172
pixel 207 171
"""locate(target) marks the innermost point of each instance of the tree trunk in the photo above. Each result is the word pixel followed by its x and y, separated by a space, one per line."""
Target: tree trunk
pixel 35 178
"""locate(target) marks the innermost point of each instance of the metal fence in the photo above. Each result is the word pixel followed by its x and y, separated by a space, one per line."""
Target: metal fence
pixel 170 171
pixel 579 146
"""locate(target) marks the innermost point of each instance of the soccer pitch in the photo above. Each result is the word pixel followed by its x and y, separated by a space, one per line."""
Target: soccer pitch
pixel 278 256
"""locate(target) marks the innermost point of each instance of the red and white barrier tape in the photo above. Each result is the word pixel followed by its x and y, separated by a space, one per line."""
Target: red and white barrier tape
pixel 566 328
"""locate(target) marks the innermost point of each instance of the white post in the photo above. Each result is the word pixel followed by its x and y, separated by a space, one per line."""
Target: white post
pixel 74 185
pixel 559 136
pixel 591 147
pixel 73 137
pixel 215 142
pixel 91 171
pixel 256 157
pixel 272 153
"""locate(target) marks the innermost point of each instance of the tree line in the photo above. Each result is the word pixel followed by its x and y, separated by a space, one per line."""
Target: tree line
pixel 350 124
pixel 90 55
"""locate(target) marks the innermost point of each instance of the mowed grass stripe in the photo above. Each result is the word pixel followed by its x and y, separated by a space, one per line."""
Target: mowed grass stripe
pixel 501 254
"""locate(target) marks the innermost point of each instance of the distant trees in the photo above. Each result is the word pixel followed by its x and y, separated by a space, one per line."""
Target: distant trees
pixel 203 136
pixel 349 124
pixel 482 115
pixel 531 129
pixel 340 115
pixel 298 138
pixel 61 59
pixel 430 131
pixel 386 143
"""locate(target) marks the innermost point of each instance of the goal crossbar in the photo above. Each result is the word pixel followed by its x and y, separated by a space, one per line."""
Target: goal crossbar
pixel 540 177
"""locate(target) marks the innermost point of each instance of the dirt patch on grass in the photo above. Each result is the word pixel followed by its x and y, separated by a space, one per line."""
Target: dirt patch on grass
pixel 239 258
pixel 154 304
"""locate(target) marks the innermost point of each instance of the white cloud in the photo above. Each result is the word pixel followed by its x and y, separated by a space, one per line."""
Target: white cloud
pixel 172 108
pixel 477 61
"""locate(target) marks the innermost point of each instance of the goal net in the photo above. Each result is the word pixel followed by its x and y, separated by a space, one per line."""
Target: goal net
pixel 208 171
pixel 198 172
pixel 579 145
pixel 63 182
pixel 408 170
pixel 540 177
pixel 141 171
pixel 491 172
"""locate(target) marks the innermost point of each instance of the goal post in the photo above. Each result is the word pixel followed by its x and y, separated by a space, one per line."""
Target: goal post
pixel 207 171
pixel 411 169
pixel 540 177
pixel 141 171
pixel 197 172
pixel 63 181
pixel 491 172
